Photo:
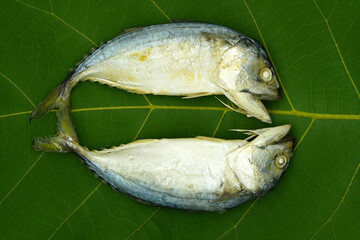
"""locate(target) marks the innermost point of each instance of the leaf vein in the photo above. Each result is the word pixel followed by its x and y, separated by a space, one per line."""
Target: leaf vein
pixel 15 114
pixel 17 87
pixel 60 19
pixel 33 7
pixel 143 124
pixel 333 230
pixel 333 9
pixel 341 201
pixel 306 131
pixel 240 220
pixel 147 99
pixel 337 48
pixel 141 225
pixel 26 173
pixel 51 6
pixel 82 203
pixel 161 11
pixel 323 116
pixel 348 29
pixel 219 123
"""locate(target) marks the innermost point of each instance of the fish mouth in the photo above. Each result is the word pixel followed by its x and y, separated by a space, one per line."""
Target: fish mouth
pixel 264 92
pixel 288 140
pixel 273 94
pixel 248 104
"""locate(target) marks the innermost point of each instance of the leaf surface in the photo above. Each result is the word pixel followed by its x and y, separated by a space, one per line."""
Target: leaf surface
pixel 314 47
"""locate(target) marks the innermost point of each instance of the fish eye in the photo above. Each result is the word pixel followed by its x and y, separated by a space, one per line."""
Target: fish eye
pixel 281 161
pixel 265 74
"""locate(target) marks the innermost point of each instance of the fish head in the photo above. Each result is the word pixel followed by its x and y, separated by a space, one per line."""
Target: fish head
pixel 259 74
pixel 246 76
pixel 259 164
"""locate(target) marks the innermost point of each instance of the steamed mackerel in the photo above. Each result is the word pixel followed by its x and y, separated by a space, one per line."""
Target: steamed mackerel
pixel 180 59
pixel 205 174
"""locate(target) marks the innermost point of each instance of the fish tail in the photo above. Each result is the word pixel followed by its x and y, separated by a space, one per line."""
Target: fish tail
pixel 51 144
pixel 60 97
pixel 52 100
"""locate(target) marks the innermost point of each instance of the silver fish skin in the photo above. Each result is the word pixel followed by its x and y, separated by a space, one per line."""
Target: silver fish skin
pixel 180 59
pixel 202 174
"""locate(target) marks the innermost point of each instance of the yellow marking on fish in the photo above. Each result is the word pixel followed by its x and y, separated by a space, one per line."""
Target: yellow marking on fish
pixel 143 58
pixel 190 77
pixel 115 74
pixel 142 55
pixel 185 47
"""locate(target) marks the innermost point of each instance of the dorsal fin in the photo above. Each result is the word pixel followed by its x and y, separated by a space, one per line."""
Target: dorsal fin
pixel 181 21
pixel 130 30
pixel 210 139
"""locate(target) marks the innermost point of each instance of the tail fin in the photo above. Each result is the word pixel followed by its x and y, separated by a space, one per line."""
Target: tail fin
pixel 53 99
pixel 51 144
pixel 60 97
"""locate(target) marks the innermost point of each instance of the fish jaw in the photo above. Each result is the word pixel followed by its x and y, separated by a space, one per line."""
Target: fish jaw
pixel 249 105
pixel 271 135
pixel 264 92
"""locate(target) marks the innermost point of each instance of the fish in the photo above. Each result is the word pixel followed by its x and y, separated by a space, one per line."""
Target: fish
pixel 188 59
pixel 195 174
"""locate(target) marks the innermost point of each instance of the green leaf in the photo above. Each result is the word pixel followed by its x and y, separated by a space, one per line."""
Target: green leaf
pixel 315 48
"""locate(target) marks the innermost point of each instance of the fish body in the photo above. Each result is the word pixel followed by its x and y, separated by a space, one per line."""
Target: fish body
pixel 205 174
pixel 189 174
pixel 170 59
pixel 180 59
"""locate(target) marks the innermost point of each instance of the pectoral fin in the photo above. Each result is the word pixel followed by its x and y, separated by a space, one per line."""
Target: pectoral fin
pixel 130 30
pixel 196 95
pixel 250 132
pixel 210 139
pixel 230 107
